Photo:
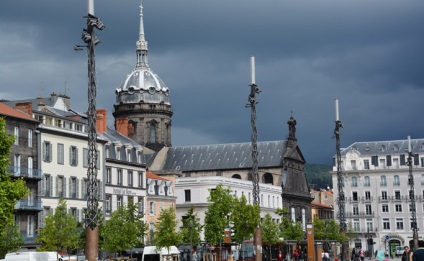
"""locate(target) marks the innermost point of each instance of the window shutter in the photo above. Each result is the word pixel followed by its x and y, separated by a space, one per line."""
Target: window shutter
pixel 77 188
pixel 416 160
pixel 51 187
pixel 50 152
pixel 78 216
pixel 70 155
pixel 389 160
pixel 76 156
pixel 402 159
pixel 101 190
pixel 40 224
pixel 43 186
pixel 57 186
pixel 64 187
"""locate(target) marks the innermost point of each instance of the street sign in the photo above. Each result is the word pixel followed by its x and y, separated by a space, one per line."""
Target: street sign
pixel 387 237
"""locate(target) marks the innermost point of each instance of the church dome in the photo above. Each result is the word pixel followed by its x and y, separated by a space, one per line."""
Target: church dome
pixel 142 85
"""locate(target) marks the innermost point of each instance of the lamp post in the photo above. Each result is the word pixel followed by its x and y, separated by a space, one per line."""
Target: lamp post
pixel 191 239
pixel 90 39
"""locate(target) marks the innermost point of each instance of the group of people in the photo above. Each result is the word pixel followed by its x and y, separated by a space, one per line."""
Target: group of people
pixel 417 255
pixel 357 254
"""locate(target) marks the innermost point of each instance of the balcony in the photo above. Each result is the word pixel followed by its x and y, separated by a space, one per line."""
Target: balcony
pixel 360 214
pixel 29 239
pixel 31 205
pixel 25 172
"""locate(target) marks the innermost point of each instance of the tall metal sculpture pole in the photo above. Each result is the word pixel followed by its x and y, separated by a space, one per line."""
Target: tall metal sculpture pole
pixel 341 197
pixel 412 197
pixel 92 230
pixel 254 89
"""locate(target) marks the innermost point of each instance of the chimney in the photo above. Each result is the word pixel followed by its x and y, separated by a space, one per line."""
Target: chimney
pixel 25 107
pixel 121 126
pixel 101 120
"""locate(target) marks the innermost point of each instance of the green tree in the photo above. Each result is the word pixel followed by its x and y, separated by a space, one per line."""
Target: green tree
pixel 165 230
pixel 11 189
pixel 245 218
pixel 124 230
pixel 319 228
pixel 289 230
pixel 60 232
pixel 270 234
pixel 185 229
pixel 10 239
pixel 217 213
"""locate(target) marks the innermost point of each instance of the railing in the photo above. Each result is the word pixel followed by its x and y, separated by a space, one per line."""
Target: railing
pixel 25 172
pixel 361 214
pixel 28 205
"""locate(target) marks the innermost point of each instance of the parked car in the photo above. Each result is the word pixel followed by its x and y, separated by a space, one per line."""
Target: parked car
pixel 399 250
pixel 33 256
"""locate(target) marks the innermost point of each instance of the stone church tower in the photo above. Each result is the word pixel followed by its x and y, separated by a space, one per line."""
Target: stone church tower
pixel 142 109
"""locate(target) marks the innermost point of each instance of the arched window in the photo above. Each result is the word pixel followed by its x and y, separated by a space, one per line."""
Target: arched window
pixel 236 176
pixel 396 181
pixel 367 181
pixel 268 179
pixel 152 132
pixel 354 181
pixel 383 182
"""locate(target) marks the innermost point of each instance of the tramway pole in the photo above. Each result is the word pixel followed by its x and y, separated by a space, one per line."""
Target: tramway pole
pixel 341 198
pixel 254 89
pixel 412 197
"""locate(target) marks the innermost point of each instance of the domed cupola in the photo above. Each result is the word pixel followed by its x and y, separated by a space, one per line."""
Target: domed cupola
pixel 142 107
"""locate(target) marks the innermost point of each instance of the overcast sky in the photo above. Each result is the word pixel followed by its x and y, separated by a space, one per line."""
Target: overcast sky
pixel 367 53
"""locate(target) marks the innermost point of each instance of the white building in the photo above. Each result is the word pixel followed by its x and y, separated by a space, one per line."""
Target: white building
pixel 376 187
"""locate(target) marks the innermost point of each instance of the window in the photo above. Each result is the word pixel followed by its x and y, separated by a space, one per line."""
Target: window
pixel 118 153
pixel 108 176
pixel 17 162
pixel 140 205
pixel 397 195
pixel 47 184
pixel 354 181
pixel 30 226
pixel 139 158
pixel 129 155
pixel 355 210
pixel 399 223
pixel 73 188
pixel 108 206
pixel 130 178
pixel 73 156
pixel 384 195
pixel 187 194
pixel 366 164
pixel 368 209
pixel 152 136
pixel 119 177
pixel 85 158
pixel 367 195
pixel 385 208
pixel 369 225
pixel 107 152
pixel 16 142
pixel 29 138
pixel 367 182
pixel 47 151
pixel 396 181
pixel 60 153
pixel 356 226
pixel 355 196
pixel 60 187
pixel 398 207
pixel 386 223
pixel 353 164
pixel 140 179
pixel 119 201
pixel 152 208
pixel 383 181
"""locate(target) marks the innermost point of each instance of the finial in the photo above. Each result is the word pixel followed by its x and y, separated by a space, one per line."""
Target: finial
pixel 142 43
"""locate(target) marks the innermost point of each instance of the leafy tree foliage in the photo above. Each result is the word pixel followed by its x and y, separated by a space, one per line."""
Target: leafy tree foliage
pixel 216 214
pixel 270 233
pixel 60 232
pixel 166 234
pixel 327 231
pixel 245 218
pixel 186 231
pixel 11 189
pixel 289 230
pixel 124 230
pixel 10 239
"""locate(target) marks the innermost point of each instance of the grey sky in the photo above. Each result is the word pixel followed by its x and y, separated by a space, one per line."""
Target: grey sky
pixel 369 54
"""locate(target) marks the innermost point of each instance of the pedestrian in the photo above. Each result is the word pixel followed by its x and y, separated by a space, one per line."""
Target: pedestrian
pixel 296 255
pixel 325 256
pixel 353 255
pixel 302 255
pixel 407 254
pixel 361 254
pixel 194 255
pixel 419 253
pixel 230 257
pixel 381 256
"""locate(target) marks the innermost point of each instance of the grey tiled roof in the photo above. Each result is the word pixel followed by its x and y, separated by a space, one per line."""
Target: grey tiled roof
pixel 386 147
pixel 224 156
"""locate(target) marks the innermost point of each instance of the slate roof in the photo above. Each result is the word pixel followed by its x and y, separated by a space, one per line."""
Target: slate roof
pixel 114 136
pixel 372 148
pixel 224 156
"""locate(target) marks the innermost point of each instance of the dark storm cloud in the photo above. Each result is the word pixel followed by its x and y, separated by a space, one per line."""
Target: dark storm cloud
pixel 366 53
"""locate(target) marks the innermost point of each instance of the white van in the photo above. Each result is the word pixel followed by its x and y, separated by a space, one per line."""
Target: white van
pixel 399 250
pixel 150 253
pixel 33 256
